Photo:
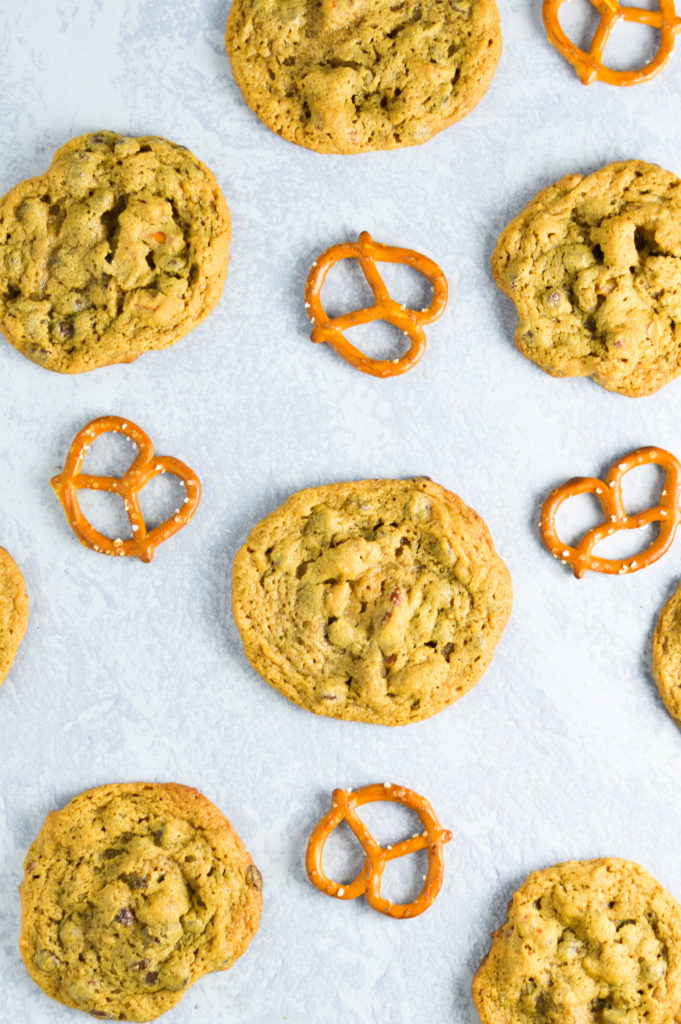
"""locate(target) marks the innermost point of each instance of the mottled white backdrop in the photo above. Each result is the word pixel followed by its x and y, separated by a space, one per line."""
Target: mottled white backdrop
pixel 131 671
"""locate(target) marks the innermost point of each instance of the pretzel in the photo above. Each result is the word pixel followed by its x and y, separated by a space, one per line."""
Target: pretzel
pixel 589 63
pixel 609 494
pixel 410 321
pixel 144 468
pixel 368 881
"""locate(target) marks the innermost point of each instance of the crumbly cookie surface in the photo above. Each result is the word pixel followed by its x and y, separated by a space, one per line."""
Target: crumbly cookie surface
pixel 593 265
pixel 377 601
pixel 585 942
pixel 13 611
pixel 120 247
pixel 347 76
pixel 130 894
pixel 667 655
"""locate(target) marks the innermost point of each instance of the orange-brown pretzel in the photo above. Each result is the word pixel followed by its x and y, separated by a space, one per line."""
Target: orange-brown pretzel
pixel 368 881
pixel 609 494
pixel 144 468
pixel 589 63
pixel 410 321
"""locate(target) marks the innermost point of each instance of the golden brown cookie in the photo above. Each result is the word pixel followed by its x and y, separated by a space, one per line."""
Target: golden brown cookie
pixel 13 611
pixel 585 942
pixel 120 247
pixel 348 76
pixel 375 601
pixel 130 894
pixel 593 265
pixel 667 655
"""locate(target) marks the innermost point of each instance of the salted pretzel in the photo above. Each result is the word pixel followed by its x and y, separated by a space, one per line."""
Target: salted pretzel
pixel 609 494
pixel 144 468
pixel 410 321
pixel 368 881
pixel 589 63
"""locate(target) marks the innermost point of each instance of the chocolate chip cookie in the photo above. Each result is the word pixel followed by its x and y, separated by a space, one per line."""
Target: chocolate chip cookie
pixel 585 942
pixel 593 265
pixel 120 247
pixel 130 894
pixel 375 601
pixel 13 611
pixel 348 76
pixel 667 655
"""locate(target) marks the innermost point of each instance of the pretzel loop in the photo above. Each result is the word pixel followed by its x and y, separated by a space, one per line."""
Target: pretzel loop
pixel 589 63
pixel 368 881
pixel 410 321
pixel 609 494
pixel 144 467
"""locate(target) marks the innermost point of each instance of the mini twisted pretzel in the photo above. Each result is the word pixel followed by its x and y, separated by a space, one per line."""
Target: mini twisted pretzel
pixel 368 881
pixel 609 494
pixel 589 63
pixel 144 468
pixel 409 321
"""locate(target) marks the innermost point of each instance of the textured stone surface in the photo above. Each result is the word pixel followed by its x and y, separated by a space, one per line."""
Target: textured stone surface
pixel 131 671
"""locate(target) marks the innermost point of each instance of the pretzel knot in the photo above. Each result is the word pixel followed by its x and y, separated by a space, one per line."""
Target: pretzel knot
pixel 609 494
pixel 589 63
pixel 368 881
pixel 410 321
pixel 144 468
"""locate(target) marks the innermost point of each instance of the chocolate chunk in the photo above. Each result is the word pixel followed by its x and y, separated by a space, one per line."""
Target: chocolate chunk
pixel 253 877
pixel 135 881
pixel 125 917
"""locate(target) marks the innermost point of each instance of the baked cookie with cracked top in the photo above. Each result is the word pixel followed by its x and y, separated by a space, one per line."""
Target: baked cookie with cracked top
pixel 585 942
pixel 374 601
pixel 593 265
pixel 130 894
pixel 667 655
pixel 348 76
pixel 120 247
pixel 13 611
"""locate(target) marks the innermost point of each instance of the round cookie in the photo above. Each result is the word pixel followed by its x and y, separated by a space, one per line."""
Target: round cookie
pixel 593 265
pixel 585 942
pixel 13 611
pixel 667 655
pixel 130 894
pixel 120 247
pixel 375 601
pixel 348 76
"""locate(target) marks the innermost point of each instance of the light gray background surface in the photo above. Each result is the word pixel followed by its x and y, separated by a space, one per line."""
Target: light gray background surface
pixel 131 671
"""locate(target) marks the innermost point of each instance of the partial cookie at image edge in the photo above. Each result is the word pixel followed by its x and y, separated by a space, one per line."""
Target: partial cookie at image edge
pixel 582 938
pixel 13 611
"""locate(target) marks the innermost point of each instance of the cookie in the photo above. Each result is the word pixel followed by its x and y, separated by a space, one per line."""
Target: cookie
pixel 130 894
pixel 585 942
pixel 375 601
pixel 120 247
pixel 13 611
pixel 593 265
pixel 349 76
pixel 667 655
